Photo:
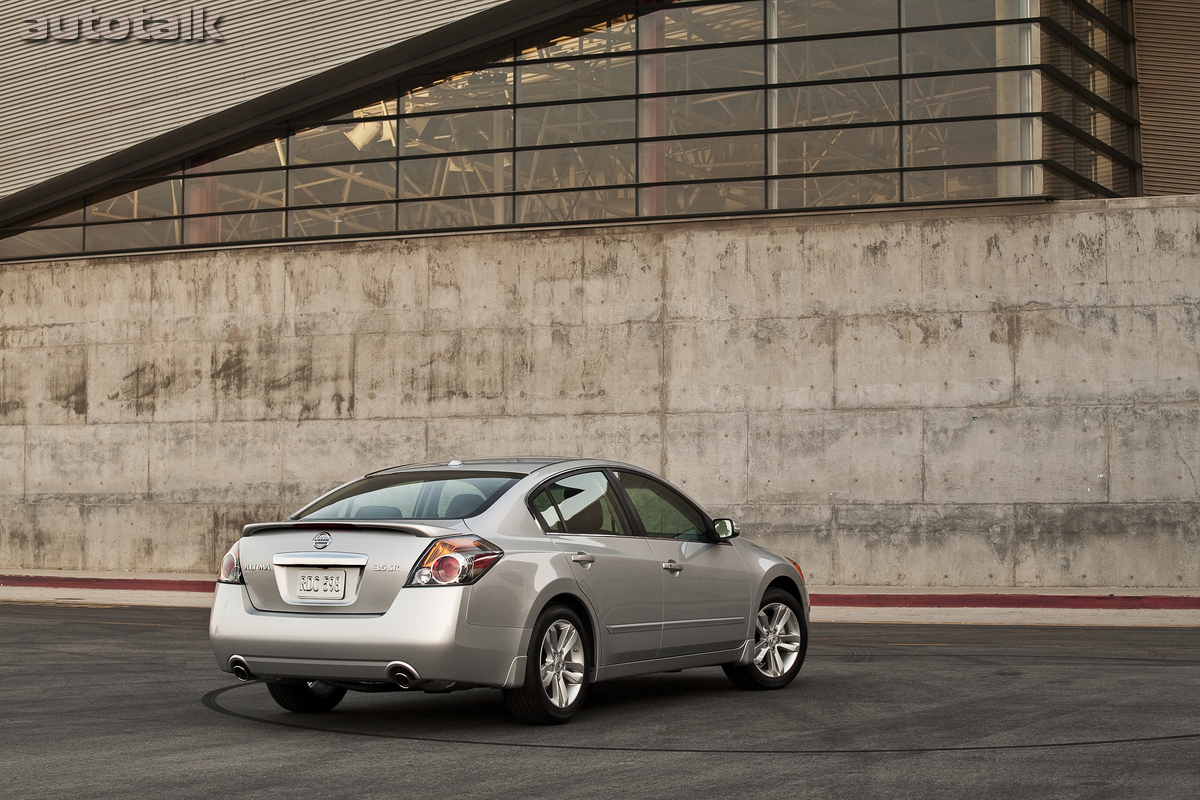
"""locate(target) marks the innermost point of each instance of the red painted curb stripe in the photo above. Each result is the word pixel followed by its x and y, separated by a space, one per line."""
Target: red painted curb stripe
pixel 948 600
pixel 131 584
pixel 1004 601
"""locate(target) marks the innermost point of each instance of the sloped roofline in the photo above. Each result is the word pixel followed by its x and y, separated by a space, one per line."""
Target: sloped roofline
pixel 478 32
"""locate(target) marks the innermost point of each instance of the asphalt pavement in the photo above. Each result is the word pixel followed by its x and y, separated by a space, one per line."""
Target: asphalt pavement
pixel 126 701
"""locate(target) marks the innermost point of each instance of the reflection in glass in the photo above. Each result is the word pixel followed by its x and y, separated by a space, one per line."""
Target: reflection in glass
pixel 342 221
pixel 694 159
pixel 919 13
pixel 971 48
pixel 610 36
pixel 834 59
pixel 847 149
pixel 472 212
pixel 234 228
pixel 245 191
pixel 713 69
pixel 817 17
pixel 133 235
pixel 62 215
pixel 490 86
pixel 704 113
pixel 839 104
pixel 343 142
pixel 252 154
pixel 568 206
pixel 557 82
pixel 973 141
pixel 486 173
pixel 970 183
pixel 842 190
pixel 578 122
pixel 342 183
pixel 163 199
pixel 599 165
pixel 35 244
pixel 455 133
pixel 708 198
pixel 727 22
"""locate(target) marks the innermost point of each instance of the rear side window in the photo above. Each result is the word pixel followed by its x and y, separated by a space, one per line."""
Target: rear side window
pixel 413 495
pixel 583 503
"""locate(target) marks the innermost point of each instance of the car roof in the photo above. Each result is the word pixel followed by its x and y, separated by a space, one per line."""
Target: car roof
pixel 523 465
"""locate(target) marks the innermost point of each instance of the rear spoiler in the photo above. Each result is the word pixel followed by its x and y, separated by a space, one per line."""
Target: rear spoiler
pixel 411 528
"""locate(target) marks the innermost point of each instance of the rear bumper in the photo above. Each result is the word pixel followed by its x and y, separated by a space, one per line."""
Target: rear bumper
pixel 426 629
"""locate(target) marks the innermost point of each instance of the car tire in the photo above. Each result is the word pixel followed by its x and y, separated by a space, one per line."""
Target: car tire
pixel 306 697
pixel 556 670
pixel 780 642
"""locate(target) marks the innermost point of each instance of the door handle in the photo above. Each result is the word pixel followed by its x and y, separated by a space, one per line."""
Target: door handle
pixel 583 558
pixel 672 567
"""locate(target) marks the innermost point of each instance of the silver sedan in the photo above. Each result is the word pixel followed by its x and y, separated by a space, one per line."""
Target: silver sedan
pixel 536 576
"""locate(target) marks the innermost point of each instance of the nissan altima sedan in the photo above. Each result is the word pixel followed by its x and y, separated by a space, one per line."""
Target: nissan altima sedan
pixel 536 576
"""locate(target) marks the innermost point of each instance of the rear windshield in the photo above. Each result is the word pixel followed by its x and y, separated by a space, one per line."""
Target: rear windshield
pixel 413 495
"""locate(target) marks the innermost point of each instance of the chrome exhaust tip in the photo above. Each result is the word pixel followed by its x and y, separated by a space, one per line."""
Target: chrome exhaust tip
pixel 240 669
pixel 402 674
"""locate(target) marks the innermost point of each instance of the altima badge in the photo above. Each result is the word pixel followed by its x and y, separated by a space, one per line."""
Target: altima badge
pixel 322 540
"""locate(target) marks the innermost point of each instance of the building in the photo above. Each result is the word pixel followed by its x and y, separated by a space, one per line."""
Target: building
pixel 908 285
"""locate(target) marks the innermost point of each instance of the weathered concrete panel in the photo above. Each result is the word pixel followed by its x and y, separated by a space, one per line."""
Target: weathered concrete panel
pixel 99 461
pixel 228 519
pixel 633 439
pixel 1156 454
pixel 216 461
pixel 706 456
pixel 835 457
pixel 347 448
pixel 622 278
pixel 151 381
pixel 293 378
pixel 219 295
pixel 1154 252
pixel 593 369
pixel 899 361
pixel 1083 356
pixel 1143 544
pixel 163 537
pixel 816 269
pixel 43 535
pixel 43 386
pixel 1052 455
pixel 357 288
pixel 438 372
pixel 925 545
pixel 750 365
pixel 12 461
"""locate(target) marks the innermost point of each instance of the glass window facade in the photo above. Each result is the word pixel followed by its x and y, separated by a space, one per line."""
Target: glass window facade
pixel 670 109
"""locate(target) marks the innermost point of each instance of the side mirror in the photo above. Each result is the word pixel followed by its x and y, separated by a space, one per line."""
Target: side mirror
pixel 726 529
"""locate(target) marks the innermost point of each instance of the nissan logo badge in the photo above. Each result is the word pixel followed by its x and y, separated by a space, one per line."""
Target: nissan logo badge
pixel 322 540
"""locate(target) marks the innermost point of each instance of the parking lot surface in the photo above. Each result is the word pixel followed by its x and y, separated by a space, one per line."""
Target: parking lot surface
pixel 128 702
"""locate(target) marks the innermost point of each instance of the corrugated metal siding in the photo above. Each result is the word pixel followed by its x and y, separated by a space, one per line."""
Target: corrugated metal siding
pixel 1168 64
pixel 65 104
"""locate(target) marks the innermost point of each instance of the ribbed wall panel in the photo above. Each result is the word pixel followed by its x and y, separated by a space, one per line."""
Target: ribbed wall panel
pixel 65 104
pixel 1168 33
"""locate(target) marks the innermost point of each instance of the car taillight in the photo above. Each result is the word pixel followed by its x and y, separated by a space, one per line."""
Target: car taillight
pixel 456 561
pixel 231 566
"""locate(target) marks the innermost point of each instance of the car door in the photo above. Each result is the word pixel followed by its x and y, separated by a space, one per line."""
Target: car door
pixel 618 572
pixel 706 591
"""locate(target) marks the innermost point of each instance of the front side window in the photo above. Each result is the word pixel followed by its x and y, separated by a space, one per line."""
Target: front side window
pixel 583 503
pixel 412 495
pixel 665 514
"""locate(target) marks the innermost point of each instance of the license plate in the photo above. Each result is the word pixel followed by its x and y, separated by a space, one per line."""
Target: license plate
pixel 321 584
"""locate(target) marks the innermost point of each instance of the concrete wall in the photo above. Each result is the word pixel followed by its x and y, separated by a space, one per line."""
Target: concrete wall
pixel 989 396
